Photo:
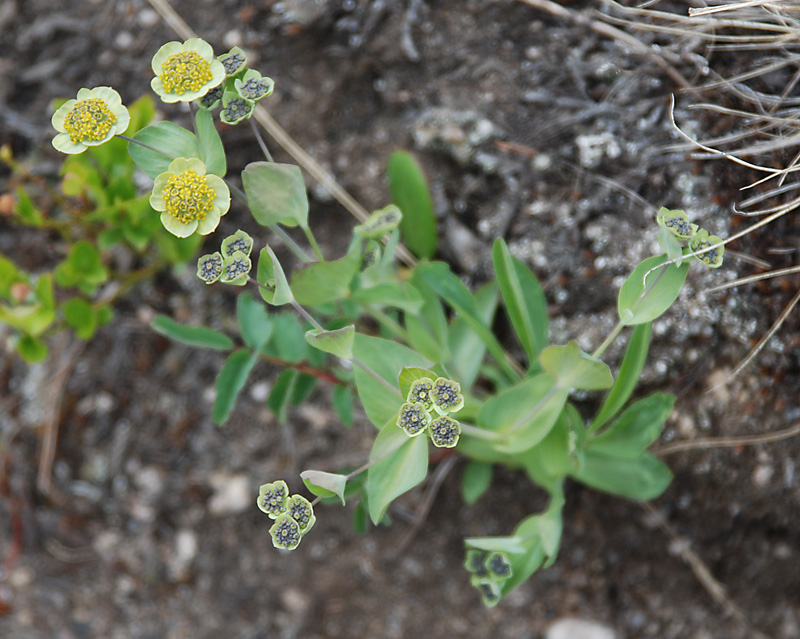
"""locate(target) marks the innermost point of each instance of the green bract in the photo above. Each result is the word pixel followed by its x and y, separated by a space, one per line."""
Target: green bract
pixel 189 199
pixel 252 86
pixel 185 71
pixel 236 269
pixel 677 222
pixel 239 241
pixel 475 562
pixel 413 419
pixel 209 268
pixel 235 108
pixel 498 566
pixel 233 61
pixel 445 432
pixel 96 116
pixel 285 533
pixel 272 498
pixel 711 257
pixel 380 223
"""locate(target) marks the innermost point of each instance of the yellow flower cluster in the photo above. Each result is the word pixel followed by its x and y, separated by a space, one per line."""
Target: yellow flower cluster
pixel 188 197
pixel 185 71
pixel 89 120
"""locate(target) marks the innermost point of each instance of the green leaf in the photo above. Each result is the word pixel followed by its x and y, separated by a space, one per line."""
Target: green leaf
pixel 322 282
pixel 276 194
pixel 324 484
pixel 80 315
pixel 510 545
pixel 342 400
pixel 199 336
pixel 394 294
pixel 638 427
pixel 443 281
pixel 142 113
pixel 669 243
pixel 475 481
pixel 288 339
pixel 26 209
pixel 400 464
pixel 642 477
pixel 628 376
pixel 427 329
pixel 270 274
pixel 255 323
pixel 303 387
pixel 641 301
pixel 467 350
pixel 83 266
pixel 410 193
pixel 31 349
pixel 524 413
pixel 8 277
pixel 571 368
pixel 524 300
pixel 171 141
pixel 209 143
pixel 230 381
pixel 550 460
pixel 280 395
pixel 385 359
pixel 338 342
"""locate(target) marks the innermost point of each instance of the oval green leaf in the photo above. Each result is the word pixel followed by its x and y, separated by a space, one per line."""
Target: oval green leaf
pixel 171 141
pixel 276 194
pixel 571 368
pixel 199 336
pixel 338 342
pixel 641 301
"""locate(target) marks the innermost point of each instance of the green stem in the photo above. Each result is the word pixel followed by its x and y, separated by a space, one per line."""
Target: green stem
pixel 261 143
pixel 607 342
pixel 313 242
pixel 478 433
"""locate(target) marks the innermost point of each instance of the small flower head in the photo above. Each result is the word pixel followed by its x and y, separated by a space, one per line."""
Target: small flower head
pixel 476 562
pixel 234 108
pixel 239 241
pixel 96 116
pixel 272 498
pixel 420 392
pixel 185 71
pixel 301 510
pixel 445 432
pixel 711 257
pixel 490 591
pixel 234 61
pixel 236 269
pixel 189 200
pixel 677 222
pixel 498 566
pixel 380 223
pixel 212 99
pixel 285 533
pixel 253 87
pixel 413 419
pixel 209 268
pixel 446 396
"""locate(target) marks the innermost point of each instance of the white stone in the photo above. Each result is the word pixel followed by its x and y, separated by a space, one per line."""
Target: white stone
pixel 232 494
pixel 570 628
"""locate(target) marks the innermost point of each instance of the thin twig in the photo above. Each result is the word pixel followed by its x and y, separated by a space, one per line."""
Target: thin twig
pixel 728 442
pixel 702 572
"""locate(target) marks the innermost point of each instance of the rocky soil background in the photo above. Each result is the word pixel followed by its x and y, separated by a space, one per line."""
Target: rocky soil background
pixel 530 127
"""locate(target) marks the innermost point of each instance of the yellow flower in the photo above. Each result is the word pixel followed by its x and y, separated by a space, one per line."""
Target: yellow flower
pixel 189 200
pixel 94 118
pixel 185 72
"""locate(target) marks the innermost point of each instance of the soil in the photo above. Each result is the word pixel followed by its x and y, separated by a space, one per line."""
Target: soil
pixel 530 127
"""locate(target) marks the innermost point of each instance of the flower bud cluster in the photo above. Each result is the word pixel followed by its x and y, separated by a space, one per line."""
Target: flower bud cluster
pixel 293 514
pixel 488 572
pixel 231 264
pixel 427 410
pixel 239 89
pixel 698 239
